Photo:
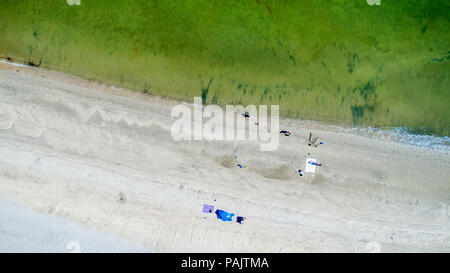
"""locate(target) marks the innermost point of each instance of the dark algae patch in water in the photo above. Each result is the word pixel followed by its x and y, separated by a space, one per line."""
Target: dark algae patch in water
pixel 343 62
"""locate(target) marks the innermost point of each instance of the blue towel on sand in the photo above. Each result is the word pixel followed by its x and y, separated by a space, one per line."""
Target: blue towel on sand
pixel 224 216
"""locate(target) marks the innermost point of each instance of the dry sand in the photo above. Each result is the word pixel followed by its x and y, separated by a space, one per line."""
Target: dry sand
pixel 69 147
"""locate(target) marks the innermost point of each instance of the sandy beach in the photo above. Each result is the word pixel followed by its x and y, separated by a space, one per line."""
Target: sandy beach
pixel 69 147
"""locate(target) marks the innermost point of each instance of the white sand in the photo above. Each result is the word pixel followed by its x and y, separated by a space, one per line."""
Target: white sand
pixel 24 230
pixel 68 147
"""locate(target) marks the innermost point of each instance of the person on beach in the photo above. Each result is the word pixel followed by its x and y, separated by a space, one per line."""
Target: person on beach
pixel 318 164
pixel 313 141
pixel 286 133
pixel 246 115
pixel 300 172
pixel 241 219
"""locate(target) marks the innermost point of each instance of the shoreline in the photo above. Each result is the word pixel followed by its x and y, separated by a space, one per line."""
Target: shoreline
pixel 397 134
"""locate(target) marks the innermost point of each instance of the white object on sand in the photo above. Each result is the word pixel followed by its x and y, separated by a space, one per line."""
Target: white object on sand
pixel 310 168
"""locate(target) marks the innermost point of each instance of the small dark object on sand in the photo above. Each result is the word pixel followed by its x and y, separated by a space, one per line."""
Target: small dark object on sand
pixel 122 198
pixel 246 115
pixel 241 219
pixel 286 133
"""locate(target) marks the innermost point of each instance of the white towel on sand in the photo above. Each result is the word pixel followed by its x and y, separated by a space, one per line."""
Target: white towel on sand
pixel 309 168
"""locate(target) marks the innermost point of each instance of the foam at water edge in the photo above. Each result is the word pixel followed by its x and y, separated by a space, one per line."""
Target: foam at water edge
pixel 404 135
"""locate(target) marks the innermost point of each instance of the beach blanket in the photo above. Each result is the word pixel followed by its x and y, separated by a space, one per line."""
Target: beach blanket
pixel 224 216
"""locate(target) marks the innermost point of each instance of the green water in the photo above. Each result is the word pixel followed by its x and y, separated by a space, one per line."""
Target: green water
pixel 337 61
